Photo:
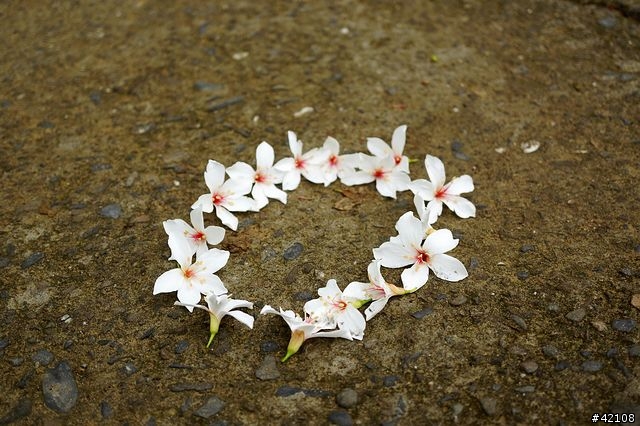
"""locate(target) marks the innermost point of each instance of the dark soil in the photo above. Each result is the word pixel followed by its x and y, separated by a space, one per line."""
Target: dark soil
pixel 109 112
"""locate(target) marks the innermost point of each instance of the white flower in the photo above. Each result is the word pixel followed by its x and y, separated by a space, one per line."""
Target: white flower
pixel 302 330
pixel 332 164
pixel 409 249
pixel 301 164
pixel 436 192
pixel 376 290
pixel 335 308
pixel 197 236
pixel 220 306
pixel 381 149
pixel 226 197
pixel 192 279
pixel 383 171
pixel 263 178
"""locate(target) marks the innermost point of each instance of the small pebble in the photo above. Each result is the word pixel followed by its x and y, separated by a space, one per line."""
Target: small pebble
pixel 205 86
pixel 422 313
pixel 4 262
pixel 389 381
pixel 32 260
pixel 210 408
pixel 489 405
pixel 42 357
pixel 608 22
pixel 106 410
pixel 522 275
pixel 520 322
pixel 21 410
pixel 550 351
pixel 529 366
pixel 293 251
pixel 199 387
pixel 59 388
pixel 129 368
pixel 268 370
pixel 347 398
pixel 4 343
pixel 625 325
pixel 592 366
pixel 553 307
pixel 634 350
pixel 576 315
pixel 112 211
pixel 526 248
pixel 340 418
pixel 181 346
pixel 525 389
pixel 599 325
pixel 458 300
pixel 562 365
pixel 269 346
pixel 16 362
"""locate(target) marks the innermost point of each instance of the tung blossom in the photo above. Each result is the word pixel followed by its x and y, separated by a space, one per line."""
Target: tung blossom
pixel 303 329
pixel 197 236
pixel 336 308
pixel 191 280
pixel 381 149
pixel 263 178
pixel 436 192
pixel 300 164
pixel 377 290
pixel 332 164
pixel 409 249
pixel 225 196
pixel 383 171
pixel 220 306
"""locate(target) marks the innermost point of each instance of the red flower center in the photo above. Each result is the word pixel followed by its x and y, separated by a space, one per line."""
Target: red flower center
pixel 199 236
pixel 379 174
pixel 259 177
pixel 299 163
pixel 422 257
pixel 441 192
pixel 333 160
pixel 397 159
pixel 217 199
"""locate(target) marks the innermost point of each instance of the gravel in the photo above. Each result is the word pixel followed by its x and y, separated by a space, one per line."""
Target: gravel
pixel 293 251
pixel 529 366
pixel 347 398
pixel 422 313
pixel 32 259
pixel 199 387
pixel 111 211
pixel 550 351
pixel 591 366
pixel 42 357
pixel 576 315
pixel 458 300
pixel 21 410
pixel 340 418
pixel 489 405
pixel 268 370
pixel 59 388
pixel 625 325
pixel 211 407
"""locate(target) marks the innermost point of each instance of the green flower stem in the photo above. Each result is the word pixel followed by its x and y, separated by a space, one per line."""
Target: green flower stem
pixel 214 325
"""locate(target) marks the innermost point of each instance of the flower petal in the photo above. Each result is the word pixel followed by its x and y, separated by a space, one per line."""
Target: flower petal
pixel 291 180
pixel 211 284
pixel 460 185
pixel 392 255
pixel 240 204
pixel 285 164
pixel 435 170
pixel 448 267
pixel 356 291
pixel 189 296
pixel 213 260
pixel 197 219
pixel 423 188
pixel 264 156
pixel 398 139
pixel 409 229
pixel 241 171
pixel 460 206
pixel 378 147
pixel 169 281
pixel 204 202
pixel 227 218
pixel 357 178
pixel 243 317
pixel 440 241
pixel 214 234
pixel 272 191
pixel 386 188
pixel 415 277
pixel 214 175
pixel 294 144
pixel 375 307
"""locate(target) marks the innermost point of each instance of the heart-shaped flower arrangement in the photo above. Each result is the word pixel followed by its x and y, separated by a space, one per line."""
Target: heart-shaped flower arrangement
pixel 334 313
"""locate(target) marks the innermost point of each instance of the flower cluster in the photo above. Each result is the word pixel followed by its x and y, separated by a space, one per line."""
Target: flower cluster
pixel 334 313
